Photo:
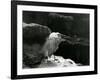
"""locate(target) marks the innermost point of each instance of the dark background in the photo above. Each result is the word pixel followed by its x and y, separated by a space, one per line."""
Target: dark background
pixel 71 24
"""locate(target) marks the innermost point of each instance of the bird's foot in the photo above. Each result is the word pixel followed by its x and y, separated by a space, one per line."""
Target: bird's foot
pixel 47 59
pixel 56 60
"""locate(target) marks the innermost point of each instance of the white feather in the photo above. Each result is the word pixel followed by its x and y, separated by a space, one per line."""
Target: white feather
pixel 54 35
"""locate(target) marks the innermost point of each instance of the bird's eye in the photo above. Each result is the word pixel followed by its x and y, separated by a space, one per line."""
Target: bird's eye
pixel 59 35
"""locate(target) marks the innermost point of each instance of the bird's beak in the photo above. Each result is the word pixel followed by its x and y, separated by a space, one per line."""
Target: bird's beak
pixel 65 37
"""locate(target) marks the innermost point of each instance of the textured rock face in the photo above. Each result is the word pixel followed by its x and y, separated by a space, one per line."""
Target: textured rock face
pixel 31 55
pixel 34 36
pixel 35 33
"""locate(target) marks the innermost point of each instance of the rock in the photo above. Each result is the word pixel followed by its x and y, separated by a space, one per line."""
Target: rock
pixel 58 62
pixel 34 36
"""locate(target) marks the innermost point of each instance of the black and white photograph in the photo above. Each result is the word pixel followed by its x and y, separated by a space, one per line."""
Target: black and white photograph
pixel 52 39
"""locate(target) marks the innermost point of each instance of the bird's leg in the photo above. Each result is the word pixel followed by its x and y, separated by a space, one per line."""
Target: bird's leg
pixel 54 58
pixel 46 56
pixel 46 59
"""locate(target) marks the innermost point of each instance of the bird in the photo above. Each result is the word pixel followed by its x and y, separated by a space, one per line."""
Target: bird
pixel 40 43
pixel 52 44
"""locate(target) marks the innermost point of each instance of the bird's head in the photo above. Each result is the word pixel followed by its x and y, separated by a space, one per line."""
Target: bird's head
pixel 58 36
